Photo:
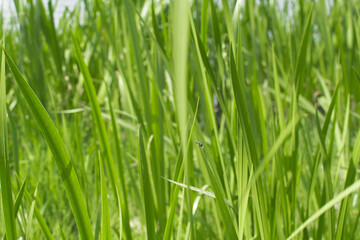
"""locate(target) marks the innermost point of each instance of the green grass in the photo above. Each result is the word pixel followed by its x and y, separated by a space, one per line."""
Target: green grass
pixel 100 114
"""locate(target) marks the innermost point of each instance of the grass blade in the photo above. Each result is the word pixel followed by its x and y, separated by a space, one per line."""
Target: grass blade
pixel 59 152
pixel 105 216
pixel 195 189
pixel 6 190
pixel 147 189
pixel 346 192
pixel 19 197
pixel 109 163
pixel 300 63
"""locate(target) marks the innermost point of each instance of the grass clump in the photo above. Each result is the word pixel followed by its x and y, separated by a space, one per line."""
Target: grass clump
pixel 181 119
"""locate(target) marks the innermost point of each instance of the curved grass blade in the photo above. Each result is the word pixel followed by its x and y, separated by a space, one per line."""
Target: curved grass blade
pixel 59 151
pixel 350 177
pixel 278 143
pixel 354 187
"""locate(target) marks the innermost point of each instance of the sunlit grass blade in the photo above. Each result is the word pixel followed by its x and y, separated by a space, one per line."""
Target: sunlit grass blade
pixel 256 101
pixel 59 152
pixel 180 45
pixel 195 189
pixel 346 192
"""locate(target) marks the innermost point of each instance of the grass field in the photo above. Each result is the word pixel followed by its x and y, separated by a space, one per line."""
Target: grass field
pixel 181 120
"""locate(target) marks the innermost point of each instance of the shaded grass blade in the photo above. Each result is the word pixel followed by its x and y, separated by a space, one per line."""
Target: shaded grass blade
pixel 147 189
pixel 6 189
pixel 300 63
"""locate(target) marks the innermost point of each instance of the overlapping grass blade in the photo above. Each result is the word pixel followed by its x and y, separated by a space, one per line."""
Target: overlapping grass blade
pixel 19 197
pixel 179 175
pixel 44 227
pixel 109 163
pixel 59 152
pixel 15 140
pixel 30 219
pixel 300 63
pixel 6 189
pixel 147 189
pixel 269 90
pixel 105 216
pixel 343 194
pixel 350 178
pixel 247 129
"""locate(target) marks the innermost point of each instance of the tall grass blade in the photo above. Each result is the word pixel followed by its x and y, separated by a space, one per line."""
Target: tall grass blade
pixel 109 163
pixel 19 197
pixel 5 172
pixel 147 189
pixel 343 194
pixel 58 150
pixel 179 175
pixel 105 216
pixel 300 63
